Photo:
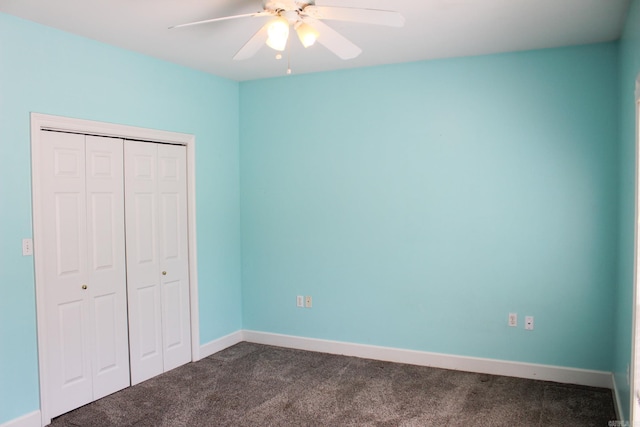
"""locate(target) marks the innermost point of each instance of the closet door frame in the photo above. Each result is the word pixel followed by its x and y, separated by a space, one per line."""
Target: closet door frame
pixel 40 122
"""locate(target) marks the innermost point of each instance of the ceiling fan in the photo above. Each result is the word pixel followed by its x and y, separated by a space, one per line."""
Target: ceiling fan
pixel 306 18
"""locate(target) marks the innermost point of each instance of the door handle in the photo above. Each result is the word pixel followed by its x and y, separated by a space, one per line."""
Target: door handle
pixel 164 273
pixel 84 286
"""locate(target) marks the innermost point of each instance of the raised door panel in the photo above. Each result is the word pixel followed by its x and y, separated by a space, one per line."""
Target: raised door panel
pixel 63 252
pixel 173 253
pixel 106 265
pixel 143 263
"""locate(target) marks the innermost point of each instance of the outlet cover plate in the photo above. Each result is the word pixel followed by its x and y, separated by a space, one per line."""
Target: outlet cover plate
pixel 528 323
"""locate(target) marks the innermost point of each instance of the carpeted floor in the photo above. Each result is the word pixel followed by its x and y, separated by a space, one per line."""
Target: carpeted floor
pixel 256 385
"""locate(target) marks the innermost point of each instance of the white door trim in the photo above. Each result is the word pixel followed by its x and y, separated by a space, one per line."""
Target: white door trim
pixel 634 375
pixel 45 121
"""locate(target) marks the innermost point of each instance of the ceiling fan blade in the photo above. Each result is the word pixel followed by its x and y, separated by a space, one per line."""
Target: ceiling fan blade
pixel 365 16
pixel 224 18
pixel 333 40
pixel 254 44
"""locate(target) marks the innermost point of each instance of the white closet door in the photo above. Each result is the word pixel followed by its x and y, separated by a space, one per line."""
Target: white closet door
pixel 83 254
pixel 143 262
pixel 157 258
pixel 64 252
pixel 174 254
pixel 106 265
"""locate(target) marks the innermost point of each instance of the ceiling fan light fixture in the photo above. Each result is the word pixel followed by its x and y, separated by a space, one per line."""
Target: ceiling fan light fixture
pixel 307 34
pixel 308 20
pixel 278 34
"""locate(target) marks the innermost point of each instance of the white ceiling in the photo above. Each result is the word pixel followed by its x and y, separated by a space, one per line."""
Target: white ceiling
pixel 433 29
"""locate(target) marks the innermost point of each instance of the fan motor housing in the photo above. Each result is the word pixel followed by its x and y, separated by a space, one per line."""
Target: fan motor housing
pixel 286 5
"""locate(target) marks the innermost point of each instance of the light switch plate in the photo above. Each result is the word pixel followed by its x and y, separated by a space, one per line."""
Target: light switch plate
pixel 27 247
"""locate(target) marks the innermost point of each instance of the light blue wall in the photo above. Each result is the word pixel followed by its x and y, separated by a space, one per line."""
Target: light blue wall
pixel 48 71
pixel 629 69
pixel 421 203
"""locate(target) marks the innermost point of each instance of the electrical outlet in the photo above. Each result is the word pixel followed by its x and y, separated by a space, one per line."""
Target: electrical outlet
pixel 27 247
pixel 300 301
pixel 513 319
pixel 528 323
pixel 307 301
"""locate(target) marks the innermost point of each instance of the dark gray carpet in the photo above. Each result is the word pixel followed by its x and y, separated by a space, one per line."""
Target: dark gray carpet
pixel 257 385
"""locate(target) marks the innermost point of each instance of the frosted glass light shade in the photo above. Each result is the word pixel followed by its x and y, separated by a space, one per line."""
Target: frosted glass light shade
pixel 307 34
pixel 278 34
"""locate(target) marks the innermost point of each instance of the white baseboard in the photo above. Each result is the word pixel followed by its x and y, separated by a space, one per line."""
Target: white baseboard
pixel 32 419
pixel 558 374
pixel 220 344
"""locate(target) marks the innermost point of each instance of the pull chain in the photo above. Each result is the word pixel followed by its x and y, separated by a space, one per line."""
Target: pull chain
pixel 289 56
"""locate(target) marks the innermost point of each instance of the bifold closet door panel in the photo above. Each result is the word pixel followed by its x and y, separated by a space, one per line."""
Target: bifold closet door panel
pixel 157 258
pixel 63 250
pixel 143 262
pixel 174 254
pixel 82 243
pixel 106 265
